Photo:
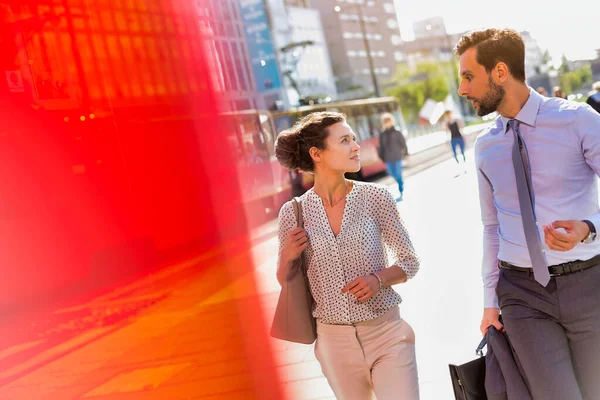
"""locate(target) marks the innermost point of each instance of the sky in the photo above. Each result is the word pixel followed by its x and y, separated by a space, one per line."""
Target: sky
pixel 573 31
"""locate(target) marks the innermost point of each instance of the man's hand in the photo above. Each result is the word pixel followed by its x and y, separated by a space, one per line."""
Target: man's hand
pixel 575 232
pixel 490 317
pixel 363 287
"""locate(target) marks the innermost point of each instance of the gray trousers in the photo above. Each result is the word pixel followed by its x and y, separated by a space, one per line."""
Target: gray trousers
pixel 555 331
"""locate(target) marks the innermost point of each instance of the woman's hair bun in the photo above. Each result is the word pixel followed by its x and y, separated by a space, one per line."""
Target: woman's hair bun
pixel 287 149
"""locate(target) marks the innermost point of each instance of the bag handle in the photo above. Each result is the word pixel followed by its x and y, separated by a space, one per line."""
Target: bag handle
pixel 299 264
pixel 479 349
pixel 298 211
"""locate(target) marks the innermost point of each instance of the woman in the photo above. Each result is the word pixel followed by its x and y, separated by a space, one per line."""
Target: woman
pixel 363 345
pixel 392 149
pixel 456 138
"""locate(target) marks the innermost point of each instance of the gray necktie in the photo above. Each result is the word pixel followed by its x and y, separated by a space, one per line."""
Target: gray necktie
pixel 521 167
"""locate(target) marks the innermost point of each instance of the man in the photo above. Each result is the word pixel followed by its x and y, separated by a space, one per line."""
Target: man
pixel 594 99
pixel 536 169
pixel 392 149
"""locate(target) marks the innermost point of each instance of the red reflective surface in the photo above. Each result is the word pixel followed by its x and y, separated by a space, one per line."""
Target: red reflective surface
pixel 113 168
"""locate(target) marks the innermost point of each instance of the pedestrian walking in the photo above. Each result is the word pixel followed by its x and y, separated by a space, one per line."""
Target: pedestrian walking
pixel 363 345
pixel 594 99
pixel 456 138
pixel 392 149
pixel 558 92
pixel 537 168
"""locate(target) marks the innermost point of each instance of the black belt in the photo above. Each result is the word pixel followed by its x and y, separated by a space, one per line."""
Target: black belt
pixel 557 270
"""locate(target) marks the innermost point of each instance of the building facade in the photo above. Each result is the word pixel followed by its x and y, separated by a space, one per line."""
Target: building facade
pixel 303 54
pixel 430 27
pixel 246 72
pixel 534 56
pixel 350 27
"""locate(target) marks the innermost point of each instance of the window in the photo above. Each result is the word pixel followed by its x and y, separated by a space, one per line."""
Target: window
pixel 392 24
pixel 396 40
pixel 389 8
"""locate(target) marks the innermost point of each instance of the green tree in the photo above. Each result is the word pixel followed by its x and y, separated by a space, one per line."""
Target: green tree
pixel 564 65
pixel 574 80
pixel 427 81
pixel 546 57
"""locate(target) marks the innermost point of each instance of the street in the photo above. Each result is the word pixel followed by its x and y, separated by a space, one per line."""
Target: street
pixel 174 336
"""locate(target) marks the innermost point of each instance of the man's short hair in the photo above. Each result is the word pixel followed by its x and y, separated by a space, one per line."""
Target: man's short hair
pixel 388 117
pixel 494 46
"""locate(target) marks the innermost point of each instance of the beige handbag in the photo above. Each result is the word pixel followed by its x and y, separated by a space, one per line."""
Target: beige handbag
pixel 293 320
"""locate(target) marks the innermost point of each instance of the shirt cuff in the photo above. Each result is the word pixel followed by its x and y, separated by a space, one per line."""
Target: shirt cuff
pixel 595 219
pixel 490 299
pixel 410 272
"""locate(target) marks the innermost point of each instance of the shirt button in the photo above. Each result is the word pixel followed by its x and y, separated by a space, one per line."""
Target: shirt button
pixel 537 223
pixel 543 250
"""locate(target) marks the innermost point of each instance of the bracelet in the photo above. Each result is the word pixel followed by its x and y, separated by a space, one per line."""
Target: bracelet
pixel 379 279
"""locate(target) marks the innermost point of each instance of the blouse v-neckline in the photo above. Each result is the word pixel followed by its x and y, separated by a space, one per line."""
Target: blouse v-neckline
pixel 323 211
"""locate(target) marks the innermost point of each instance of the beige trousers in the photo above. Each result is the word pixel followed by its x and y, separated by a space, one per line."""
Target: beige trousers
pixel 371 357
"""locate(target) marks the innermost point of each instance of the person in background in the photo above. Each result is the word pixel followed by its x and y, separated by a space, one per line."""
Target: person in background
pixel 392 149
pixel 594 99
pixel 542 90
pixel 296 182
pixel 558 92
pixel 456 138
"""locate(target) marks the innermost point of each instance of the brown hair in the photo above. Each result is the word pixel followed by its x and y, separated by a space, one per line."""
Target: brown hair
pixel 494 46
pixel 293 145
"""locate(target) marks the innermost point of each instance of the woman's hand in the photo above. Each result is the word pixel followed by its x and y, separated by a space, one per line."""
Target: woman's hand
pixel 293 245
pixel 363 287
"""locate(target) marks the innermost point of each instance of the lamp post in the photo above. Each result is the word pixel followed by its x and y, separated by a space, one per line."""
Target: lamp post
pixel 363 31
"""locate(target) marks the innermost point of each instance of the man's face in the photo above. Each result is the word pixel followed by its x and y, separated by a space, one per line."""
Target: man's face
pixel 477 85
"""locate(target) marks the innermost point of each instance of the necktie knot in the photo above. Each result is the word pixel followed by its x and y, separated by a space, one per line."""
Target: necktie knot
pixel 514 125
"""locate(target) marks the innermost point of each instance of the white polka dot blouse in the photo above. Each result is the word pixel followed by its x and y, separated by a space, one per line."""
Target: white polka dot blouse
pixel 371 228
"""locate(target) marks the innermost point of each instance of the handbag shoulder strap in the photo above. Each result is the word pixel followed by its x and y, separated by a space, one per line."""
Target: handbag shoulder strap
pixel 300 220
pixel 298 211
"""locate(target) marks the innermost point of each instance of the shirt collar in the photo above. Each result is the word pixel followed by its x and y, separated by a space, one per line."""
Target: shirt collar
pixel 528 113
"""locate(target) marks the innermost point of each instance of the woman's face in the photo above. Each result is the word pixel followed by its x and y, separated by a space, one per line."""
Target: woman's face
pixel 342 153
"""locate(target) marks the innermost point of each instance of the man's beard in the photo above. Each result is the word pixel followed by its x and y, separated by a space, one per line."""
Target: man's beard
pixel 492 99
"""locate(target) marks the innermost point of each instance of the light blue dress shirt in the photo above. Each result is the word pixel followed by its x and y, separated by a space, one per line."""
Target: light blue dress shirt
pixel 563 144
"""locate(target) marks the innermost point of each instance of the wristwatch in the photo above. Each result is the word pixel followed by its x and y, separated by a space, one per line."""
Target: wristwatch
pixel 592 235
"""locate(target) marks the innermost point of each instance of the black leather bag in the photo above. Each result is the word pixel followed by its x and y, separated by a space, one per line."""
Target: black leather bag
pixel 468 380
